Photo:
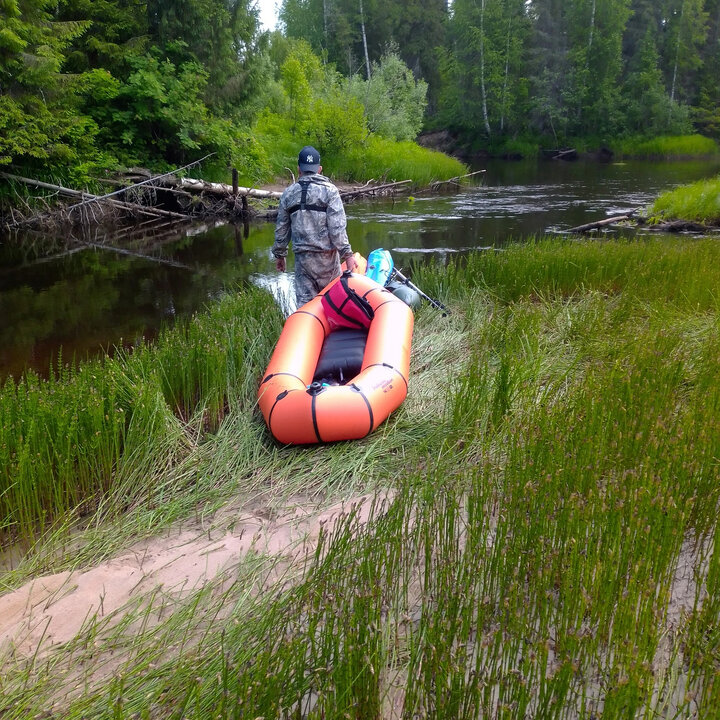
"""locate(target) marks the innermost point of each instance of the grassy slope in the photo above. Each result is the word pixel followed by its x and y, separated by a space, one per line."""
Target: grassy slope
pixel 699 202
pixel 556 464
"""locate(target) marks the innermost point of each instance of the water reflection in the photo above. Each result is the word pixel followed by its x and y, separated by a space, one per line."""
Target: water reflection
pixel 91 293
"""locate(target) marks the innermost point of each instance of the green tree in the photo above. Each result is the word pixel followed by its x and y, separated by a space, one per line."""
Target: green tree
pixel 548 67
pixel 595 29
pixel 39 122
pixel 706 113
pixel 221 35
pixel 334 29
pixel 394 101
pixel 647 106
pixel 117 30
pixel 687 30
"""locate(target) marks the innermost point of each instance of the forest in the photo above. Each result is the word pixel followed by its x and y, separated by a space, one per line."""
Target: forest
pixel 90 85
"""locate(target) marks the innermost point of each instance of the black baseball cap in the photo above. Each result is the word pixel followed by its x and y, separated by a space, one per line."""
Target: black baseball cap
pixel 309 159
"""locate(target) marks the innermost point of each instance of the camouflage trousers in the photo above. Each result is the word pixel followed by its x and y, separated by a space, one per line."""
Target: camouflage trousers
pixel 313 271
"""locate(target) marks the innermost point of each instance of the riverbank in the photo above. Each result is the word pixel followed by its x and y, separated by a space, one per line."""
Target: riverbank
pixel 680 147
pixel 556 519
pixel 689 208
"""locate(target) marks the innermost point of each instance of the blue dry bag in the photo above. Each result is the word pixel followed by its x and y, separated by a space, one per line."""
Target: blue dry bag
pixel 380 266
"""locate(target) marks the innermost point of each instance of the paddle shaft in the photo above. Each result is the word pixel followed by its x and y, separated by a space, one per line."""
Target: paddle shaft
pixel 435 303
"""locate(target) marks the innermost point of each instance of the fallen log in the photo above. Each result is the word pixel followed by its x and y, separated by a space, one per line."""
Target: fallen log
pixel 152 179
pixel 87 198
pixel 681 226
pixel 602 223
pixel 559 154
pixel 223 189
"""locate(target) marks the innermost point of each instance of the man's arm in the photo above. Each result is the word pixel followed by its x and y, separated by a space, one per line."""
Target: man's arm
pixel 337 229
pixel 282 236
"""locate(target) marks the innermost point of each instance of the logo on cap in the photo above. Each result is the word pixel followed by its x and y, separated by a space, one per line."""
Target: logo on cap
pixel 309 158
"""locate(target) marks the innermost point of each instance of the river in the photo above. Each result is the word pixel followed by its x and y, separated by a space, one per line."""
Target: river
pixel 61 299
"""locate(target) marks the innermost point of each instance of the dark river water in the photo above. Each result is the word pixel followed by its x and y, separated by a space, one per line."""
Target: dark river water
pixel 57 294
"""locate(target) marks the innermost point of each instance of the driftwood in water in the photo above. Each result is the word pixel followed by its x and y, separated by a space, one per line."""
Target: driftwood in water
pixel 455 180
pixel 565 154
pixel 602 223
pixel 682 226
pixel 373 189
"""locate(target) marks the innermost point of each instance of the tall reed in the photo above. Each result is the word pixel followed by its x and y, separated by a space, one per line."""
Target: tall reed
pixel 66 441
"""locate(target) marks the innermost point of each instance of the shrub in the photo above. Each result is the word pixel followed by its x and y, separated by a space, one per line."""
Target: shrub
pixel 393 100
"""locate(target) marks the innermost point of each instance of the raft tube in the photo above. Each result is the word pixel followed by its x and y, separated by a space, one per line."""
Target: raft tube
pixel 299 411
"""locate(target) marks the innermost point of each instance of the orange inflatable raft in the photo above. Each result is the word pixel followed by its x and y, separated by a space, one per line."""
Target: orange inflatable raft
pixel 300 411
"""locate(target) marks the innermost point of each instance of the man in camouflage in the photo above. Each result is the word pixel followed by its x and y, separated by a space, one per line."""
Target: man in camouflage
pixel 312 217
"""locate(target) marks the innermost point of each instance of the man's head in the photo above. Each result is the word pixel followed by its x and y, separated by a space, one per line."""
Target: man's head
pixel 309 160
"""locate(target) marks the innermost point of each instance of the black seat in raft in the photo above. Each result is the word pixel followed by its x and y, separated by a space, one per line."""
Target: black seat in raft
pixel 341 356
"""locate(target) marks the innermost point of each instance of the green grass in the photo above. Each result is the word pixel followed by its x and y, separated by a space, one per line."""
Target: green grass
pixel 389 161
pixel 375 159
pixel 680 146
pixel 555 468
pixel 699 201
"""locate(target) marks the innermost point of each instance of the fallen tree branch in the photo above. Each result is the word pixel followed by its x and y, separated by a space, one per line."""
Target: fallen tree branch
pixel 373 189
pixel 144 182
pixel 681 226
pixel 455 179
pixel 602 223
pixel 89 198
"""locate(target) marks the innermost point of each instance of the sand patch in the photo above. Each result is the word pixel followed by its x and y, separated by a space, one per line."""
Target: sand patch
pixel 51 610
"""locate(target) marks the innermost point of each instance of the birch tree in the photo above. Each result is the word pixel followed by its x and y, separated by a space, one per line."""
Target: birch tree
pixel 483 72
pixel 688 24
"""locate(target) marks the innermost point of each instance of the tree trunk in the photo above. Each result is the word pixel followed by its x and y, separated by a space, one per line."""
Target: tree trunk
pixel 482 68
pixel 590 38
pixel 362 25
pixel 677 54
pixel 505 81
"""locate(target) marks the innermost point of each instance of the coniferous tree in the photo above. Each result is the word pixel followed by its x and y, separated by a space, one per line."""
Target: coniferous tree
pixel 38 118
pixel 595 29
pixel 548 66
pixel 648 109
pixel 707 111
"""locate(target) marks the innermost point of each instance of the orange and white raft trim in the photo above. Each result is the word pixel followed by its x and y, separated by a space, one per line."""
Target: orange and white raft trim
pixel 300 412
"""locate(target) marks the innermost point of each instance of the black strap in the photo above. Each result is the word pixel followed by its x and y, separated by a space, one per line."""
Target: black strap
pixel 303 199
pixel 282 395
pixel 314 418
pixel 369 407
pixel 272 375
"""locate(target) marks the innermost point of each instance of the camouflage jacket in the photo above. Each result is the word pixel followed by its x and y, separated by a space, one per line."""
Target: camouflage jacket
pixel 313 223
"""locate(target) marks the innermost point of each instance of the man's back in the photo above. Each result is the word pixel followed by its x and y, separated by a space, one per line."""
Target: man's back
pixel 312 211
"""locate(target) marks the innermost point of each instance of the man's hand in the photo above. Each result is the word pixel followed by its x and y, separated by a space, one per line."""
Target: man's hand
pixel 351 264
pixel 280 264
